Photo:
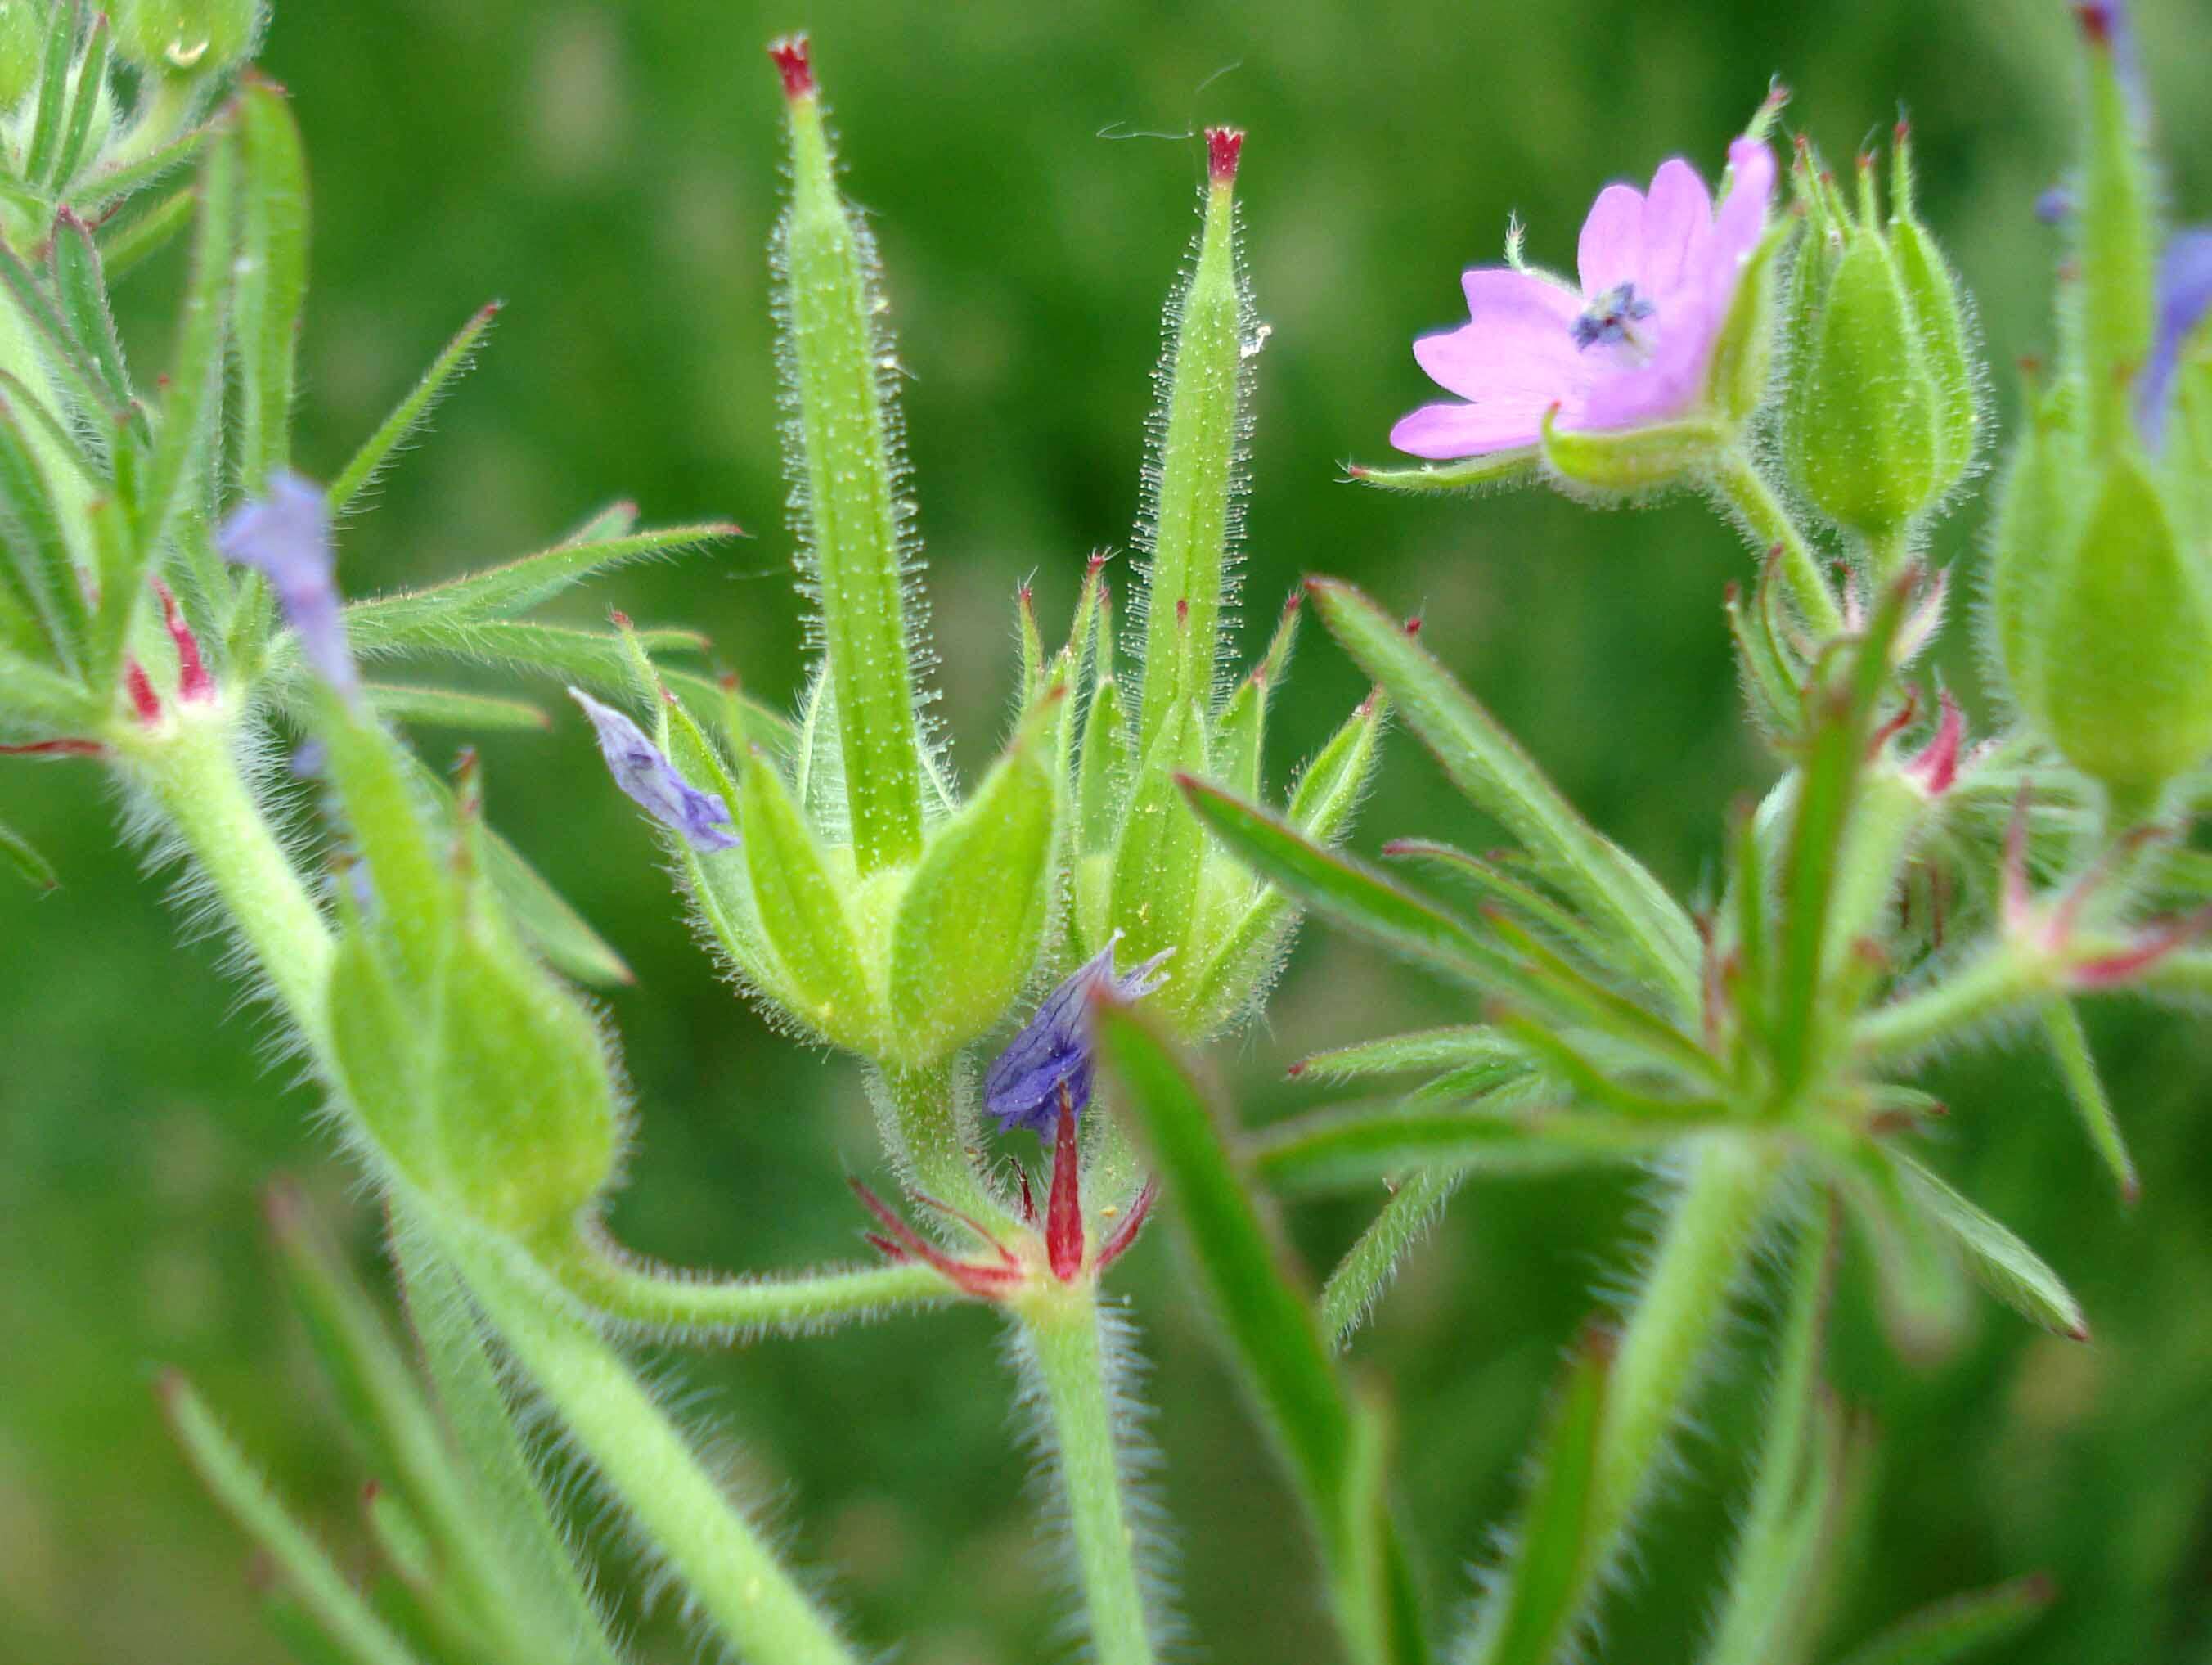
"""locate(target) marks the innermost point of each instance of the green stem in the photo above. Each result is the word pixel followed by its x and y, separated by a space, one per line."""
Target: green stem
pixel 1062 1328
pixel 922 1119
pixel 193 772
pixel 1768 520
pixel 1997 980
pixel 637 1292
pixel 1708 1236
pixel 722 1559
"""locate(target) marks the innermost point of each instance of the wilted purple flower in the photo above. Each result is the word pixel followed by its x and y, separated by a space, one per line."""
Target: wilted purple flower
pixel 1023 1087
pixel 285 537
pixel 648 778
pixel 1633 345
pixel 2184 296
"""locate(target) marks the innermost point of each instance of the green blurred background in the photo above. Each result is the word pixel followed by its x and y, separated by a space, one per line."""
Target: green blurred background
pixel 611 171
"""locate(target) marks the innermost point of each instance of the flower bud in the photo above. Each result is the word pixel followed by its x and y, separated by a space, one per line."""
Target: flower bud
pixel 186 37
pixel 1880 421
pixel 2121 646
pixel 483 1079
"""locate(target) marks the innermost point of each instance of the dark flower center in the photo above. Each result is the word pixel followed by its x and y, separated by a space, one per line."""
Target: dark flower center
pixel 1612 319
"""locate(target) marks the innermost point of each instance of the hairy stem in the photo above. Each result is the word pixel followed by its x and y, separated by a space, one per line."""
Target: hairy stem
pixel 1993 984
pixel 647 1463
pixel 1769 522
pixel 921 1116
pixel 193 773
pixel 1062 1328
pixel 1708 1232
pixel 636 1292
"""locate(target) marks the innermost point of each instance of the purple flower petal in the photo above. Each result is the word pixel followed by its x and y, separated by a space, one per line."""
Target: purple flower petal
pixel 1659 273
pixel 285 537
pixel 2185 295
pixel 1052 1053
pixel 1612 249
pixel 651 781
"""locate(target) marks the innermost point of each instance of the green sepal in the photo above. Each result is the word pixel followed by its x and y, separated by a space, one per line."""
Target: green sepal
pixel 1102 769
pixel 1863 441
pixel 1742 361
pixel 801 904
pixel 45 577
pixel 21 49
pixel 89 95
pixel 1946 342
pixel 193 402
pixel 1160 849
pixel 1628 460
pixel 2038 505
pixel 272 279
pixel 971 920
pixel 1498 468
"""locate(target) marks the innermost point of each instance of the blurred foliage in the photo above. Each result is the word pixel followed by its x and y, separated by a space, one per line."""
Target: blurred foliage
pixel 609 170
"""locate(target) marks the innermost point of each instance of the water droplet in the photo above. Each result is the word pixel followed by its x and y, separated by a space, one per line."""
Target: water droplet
pixel 183 56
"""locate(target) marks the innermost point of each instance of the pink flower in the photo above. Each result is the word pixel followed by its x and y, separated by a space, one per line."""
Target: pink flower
pixel 1632 346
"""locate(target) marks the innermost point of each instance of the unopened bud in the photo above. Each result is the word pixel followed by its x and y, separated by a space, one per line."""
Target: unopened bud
pixel 184 37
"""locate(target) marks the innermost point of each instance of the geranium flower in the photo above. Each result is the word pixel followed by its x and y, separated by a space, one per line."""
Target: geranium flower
pixel 1050 1059
pixel 1632 346
pixel 285 537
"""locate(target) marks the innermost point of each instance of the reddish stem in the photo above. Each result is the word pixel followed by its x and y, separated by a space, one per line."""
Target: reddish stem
pixel 1063 1222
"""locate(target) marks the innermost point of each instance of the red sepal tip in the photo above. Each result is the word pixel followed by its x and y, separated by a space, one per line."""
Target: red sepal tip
pixel 793 63
pixel 1063 1218
pixel 2096 21
pixel 143 700
pixel 1224 146
pixel 193 683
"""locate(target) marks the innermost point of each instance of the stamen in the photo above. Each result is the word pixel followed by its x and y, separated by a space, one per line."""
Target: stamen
pixel 1612 319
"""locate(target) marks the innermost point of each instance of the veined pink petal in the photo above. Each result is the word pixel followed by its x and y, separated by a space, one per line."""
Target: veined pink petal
pixel 1742 221
pixel 1678 224
pixel 1443 431
pixel 1613 239
pixel 1518 337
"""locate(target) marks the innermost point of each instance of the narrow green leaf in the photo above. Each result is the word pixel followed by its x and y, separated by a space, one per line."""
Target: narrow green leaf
pixel 1367 1268
pixel 515 586
pixel 408 416
pixel 1924 1297
pixel 1240 1258
pixel 1498 777
pixel 194 398
pixel 132 177
pixel 53 92
pixel 1238 740
pixel 2084 1088
pixel 80 286
pixel 1343 891
pixel 1506 889
pixel 272 278
pixel 127 243
pixel 45 572
pixel 321 1588
pixel 1531 1618
pixel 1953 1630
pixel 1341 1149
pixel 452 708
pixel 2007 1267
pixel 1607 1010
pixel 1462 1047
pixel 91 83
pixel 1843 699
pixel 77 381
pixel 33 691
pixel 18 853
pixel 542 1573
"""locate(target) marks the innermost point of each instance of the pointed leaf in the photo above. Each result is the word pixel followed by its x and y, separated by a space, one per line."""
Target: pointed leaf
pixel 320 1588
pixel 1955 1630
pixel 1464 1046
pixel 408 416
pixel 1333 1151
pixel 2084 1088
pixel 503 592
pixel 193 402
pixel 1489 767
pixel 452 708
pixel 18 853
pixel 1360 1278
pixel 2007 1267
